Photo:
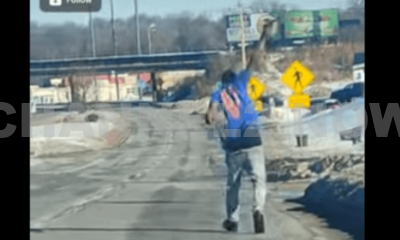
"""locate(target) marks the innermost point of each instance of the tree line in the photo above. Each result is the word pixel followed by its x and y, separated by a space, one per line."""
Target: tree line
pixel 173 34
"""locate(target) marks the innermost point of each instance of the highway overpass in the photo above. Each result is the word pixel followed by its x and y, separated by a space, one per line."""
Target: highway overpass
pixel 120 64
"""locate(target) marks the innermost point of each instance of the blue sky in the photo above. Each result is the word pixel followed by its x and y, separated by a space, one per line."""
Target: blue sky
pixel 125 8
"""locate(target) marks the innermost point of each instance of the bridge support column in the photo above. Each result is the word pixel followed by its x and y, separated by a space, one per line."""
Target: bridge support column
pixel 140 90
pixel 154 84
pixel 117 86
pixel 72 88
pixel 115 76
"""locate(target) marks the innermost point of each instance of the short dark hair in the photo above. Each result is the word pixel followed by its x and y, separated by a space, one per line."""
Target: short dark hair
pixel 227 76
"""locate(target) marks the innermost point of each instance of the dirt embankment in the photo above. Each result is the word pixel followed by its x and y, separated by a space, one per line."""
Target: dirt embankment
pixel 336 191
pixel 287 169
pixel 339 198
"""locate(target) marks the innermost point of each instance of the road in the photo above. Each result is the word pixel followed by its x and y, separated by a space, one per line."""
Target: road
pixel 165 182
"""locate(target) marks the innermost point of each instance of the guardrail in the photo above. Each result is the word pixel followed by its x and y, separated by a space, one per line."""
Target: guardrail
pixel 128 59
pixel 118 68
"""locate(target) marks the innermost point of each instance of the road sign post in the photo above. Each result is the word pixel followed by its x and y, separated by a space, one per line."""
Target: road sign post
pixel 298 77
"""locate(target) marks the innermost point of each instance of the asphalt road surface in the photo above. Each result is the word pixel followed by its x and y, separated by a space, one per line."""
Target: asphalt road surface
pixel 166 182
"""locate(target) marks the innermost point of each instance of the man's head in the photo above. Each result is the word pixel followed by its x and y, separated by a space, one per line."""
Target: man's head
pixel 227 76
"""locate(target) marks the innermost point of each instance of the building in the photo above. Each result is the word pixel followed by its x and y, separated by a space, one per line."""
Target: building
pixel 172 78
pixel 103 88
pixel 42 95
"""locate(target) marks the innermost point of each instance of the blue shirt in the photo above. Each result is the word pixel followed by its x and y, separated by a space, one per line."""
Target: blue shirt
pixel 241 115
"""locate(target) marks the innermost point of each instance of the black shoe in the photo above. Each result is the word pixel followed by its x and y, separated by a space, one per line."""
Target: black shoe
pixel 230 226
pixel 258 222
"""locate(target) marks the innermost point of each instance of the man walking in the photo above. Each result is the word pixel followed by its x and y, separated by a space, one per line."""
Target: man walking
pixel 241 138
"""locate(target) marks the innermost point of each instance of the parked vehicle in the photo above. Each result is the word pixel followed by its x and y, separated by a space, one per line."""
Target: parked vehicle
pixel 321 104
pixel 349 93
pixel 277 101
pixel 186 93
pixel 358 67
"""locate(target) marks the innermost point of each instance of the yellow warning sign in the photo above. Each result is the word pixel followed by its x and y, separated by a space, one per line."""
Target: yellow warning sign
pixel 256 88
pixel 299 101
pixel 298 77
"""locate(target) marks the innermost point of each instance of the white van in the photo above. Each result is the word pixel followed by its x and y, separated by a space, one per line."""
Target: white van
pixel 358 67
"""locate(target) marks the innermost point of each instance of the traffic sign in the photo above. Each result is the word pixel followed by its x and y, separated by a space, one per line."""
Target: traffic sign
pixel 298 77
pixel 256 88
pixel 300 101
pixel 259 105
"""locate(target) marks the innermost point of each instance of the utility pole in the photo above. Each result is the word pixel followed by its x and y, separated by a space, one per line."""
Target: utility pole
pixel 93 43
pixel 149 39
pixel 93 38
pixel 150 30
pixel 113 28
pixel 114 46
pixel 137 28
pixel 243 35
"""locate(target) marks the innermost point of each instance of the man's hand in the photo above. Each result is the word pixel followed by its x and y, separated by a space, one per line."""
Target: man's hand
pixel 268 23
pixel 209 117
pixel 259 54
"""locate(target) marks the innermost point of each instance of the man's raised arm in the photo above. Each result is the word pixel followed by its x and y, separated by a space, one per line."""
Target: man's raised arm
pixel 259 50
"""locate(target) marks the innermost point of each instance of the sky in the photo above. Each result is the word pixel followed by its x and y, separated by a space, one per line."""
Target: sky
pixel 125 8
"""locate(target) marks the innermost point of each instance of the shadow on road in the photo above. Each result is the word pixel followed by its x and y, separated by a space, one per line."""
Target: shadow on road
pixel 345 220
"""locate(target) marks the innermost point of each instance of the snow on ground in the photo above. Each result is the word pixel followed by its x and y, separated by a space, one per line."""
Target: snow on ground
pixel 53 136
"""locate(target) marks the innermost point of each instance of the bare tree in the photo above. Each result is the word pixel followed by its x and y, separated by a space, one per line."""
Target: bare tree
pixel 86 87
pixel 356 9
pixel 179 31
pixel 83 87
pixel 259 6
pixel 356 4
